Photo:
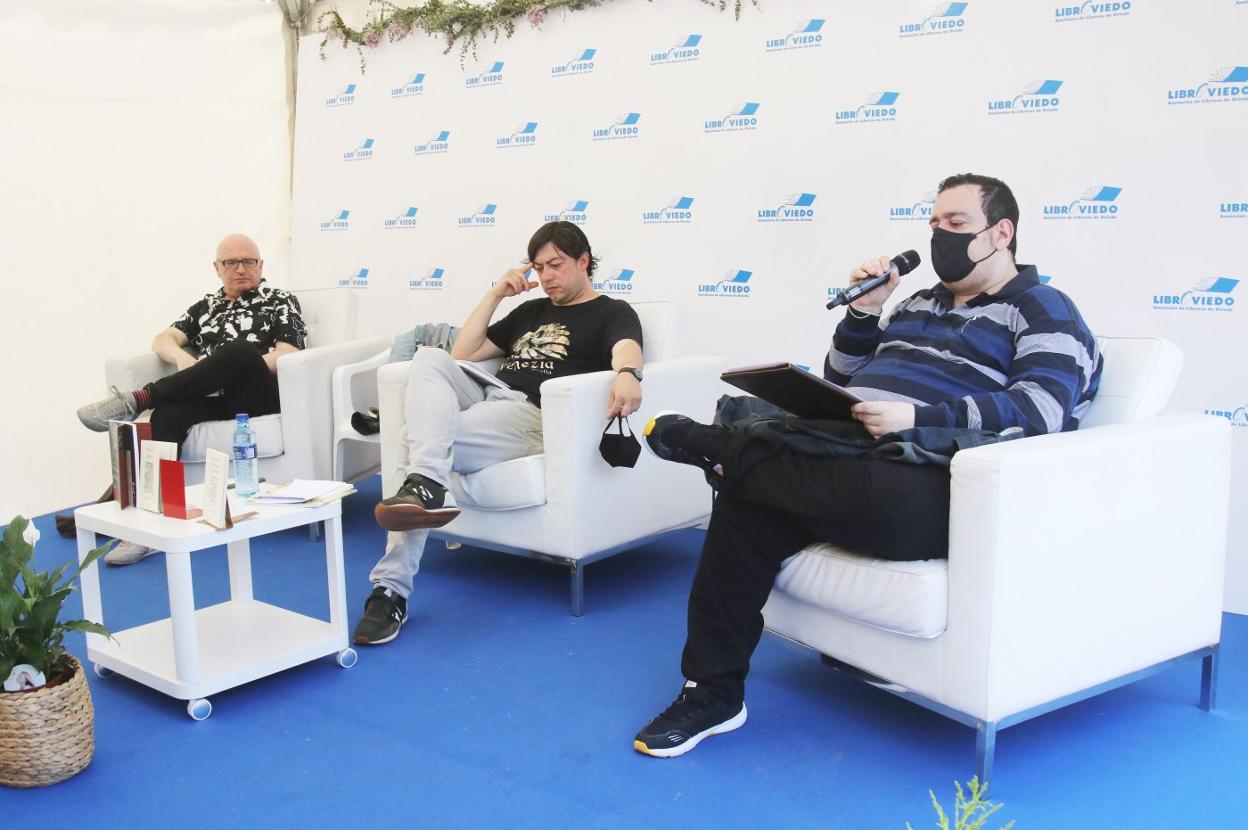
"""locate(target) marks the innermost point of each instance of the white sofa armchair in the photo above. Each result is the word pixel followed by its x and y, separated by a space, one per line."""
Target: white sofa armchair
pixel 297 442
pixel 567 505
pixel 1078 562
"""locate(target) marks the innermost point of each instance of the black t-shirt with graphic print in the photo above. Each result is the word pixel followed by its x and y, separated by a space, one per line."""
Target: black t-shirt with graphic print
pixel 541 340
pixel 261 316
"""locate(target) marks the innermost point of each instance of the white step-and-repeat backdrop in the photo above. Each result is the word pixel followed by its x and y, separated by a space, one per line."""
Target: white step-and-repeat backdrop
pixel 741 168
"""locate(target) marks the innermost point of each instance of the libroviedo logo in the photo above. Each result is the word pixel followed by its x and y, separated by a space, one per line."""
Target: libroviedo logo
pixel 618 282
pixel 440 143
pixel 679 211
pixel 415 86
pixel 490 77
pixel 1092 11
pixel 433 281
pixel 920 211
pixel 1233 210
pixel 945 19
pixel 624 127
pixel 360 280
pixel 686 49
pixel 582 64
pixel 1238 416
pixel 573 211
pixel 482 217
pixel 804 36
pixel 879 106
pixel 1229 83
pixel 342 99
pixel 524 135
pixel 1038 96
pixel 796 207
pixel 1213 294
pixel 341 222
pixel 362 153
pixel 1093 203
pixel 744 116
pixel 406 219
pixel 733 284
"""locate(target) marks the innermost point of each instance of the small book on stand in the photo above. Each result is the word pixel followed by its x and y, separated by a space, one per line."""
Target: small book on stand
pixel 151 453
pixel 125 439
pixel 173 492
pixel 795 390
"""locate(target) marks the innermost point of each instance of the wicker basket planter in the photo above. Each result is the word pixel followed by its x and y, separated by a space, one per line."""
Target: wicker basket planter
pixel 46 735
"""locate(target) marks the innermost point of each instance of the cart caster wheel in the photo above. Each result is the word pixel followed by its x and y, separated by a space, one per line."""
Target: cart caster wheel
pixel 102 671
pixel 454 545
pixel 199 708
pixel 347 658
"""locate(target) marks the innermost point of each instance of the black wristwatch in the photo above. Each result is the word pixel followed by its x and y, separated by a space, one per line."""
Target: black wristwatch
pixel 635 372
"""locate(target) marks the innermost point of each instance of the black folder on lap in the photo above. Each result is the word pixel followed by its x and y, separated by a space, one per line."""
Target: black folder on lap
pixel 794 389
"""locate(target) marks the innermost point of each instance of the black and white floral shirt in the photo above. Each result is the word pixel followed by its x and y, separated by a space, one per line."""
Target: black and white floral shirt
pixel 262 316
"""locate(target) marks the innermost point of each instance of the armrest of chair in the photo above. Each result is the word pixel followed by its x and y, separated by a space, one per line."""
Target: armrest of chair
pixel 1079 557
pixel 304 382
pixel 347 377
pixel 130 373
pixel 599 506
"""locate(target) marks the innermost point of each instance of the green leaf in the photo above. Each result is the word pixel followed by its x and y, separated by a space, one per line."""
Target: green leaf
pixel 91 557
pixel 86 625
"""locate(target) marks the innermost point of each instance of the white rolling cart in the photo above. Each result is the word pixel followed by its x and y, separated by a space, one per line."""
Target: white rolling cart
pixel 196 653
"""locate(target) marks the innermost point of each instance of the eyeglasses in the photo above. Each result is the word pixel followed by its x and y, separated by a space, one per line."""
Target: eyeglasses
pixel 231 264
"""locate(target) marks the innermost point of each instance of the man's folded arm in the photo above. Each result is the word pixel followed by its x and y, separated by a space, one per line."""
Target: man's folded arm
pixel 169 344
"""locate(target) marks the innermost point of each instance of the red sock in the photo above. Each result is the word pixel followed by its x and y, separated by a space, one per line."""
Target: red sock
pixel 142 399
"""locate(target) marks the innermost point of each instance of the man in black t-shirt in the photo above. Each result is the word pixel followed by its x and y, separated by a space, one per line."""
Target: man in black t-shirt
pixel 458 423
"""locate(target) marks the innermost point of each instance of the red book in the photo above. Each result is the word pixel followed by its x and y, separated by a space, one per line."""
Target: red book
pixel 173 491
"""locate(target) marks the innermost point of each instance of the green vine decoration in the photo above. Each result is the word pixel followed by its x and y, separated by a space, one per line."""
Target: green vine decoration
pixel 457 21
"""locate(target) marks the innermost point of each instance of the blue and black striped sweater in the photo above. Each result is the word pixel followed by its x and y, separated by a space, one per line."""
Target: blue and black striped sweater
pixel 1022 357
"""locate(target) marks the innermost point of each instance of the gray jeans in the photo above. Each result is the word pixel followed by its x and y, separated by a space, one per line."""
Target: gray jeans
pixel 453 425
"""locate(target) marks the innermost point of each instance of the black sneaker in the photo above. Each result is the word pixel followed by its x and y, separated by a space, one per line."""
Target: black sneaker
pixel 384 614
pixel 420 503
pixel 695 715
pixel 661 444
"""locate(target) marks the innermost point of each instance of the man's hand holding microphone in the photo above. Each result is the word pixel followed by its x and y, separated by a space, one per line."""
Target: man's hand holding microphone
pixel 870 286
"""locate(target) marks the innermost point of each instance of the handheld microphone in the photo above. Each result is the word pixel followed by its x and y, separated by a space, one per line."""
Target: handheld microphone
pixel 903 262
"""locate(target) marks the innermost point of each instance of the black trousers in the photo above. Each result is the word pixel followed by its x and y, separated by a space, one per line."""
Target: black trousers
pixel 182 400
pixel 783 502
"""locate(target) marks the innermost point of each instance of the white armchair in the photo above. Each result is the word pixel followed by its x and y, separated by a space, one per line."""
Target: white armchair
pixel 297 442
pixel 567 505
pixel 1078 562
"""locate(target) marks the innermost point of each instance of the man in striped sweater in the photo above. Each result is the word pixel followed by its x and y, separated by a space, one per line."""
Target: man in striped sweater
pixel 988 348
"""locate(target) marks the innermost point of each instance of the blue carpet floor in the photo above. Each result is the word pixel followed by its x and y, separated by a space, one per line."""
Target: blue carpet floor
pixel 495 707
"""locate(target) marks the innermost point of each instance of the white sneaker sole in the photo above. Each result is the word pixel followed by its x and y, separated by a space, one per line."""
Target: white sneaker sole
pixel 645 433
pixel 735 722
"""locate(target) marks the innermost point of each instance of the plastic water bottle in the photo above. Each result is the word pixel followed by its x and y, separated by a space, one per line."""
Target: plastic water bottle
pixel 246 467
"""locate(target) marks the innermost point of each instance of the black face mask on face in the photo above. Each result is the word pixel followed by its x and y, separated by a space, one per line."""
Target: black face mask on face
pixel 619 449
pixel 950 259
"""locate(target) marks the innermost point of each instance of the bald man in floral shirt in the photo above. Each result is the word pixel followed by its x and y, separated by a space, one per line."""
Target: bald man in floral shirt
pixel 237 334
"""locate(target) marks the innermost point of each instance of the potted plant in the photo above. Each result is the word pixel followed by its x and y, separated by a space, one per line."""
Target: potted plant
pixel 46 721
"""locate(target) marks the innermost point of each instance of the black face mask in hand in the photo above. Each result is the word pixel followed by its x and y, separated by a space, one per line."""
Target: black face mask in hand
pixel 619 449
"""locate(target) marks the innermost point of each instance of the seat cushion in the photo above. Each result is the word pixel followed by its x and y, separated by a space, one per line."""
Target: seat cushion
pixel 219 435
pixel 908 598
pixel 510 485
